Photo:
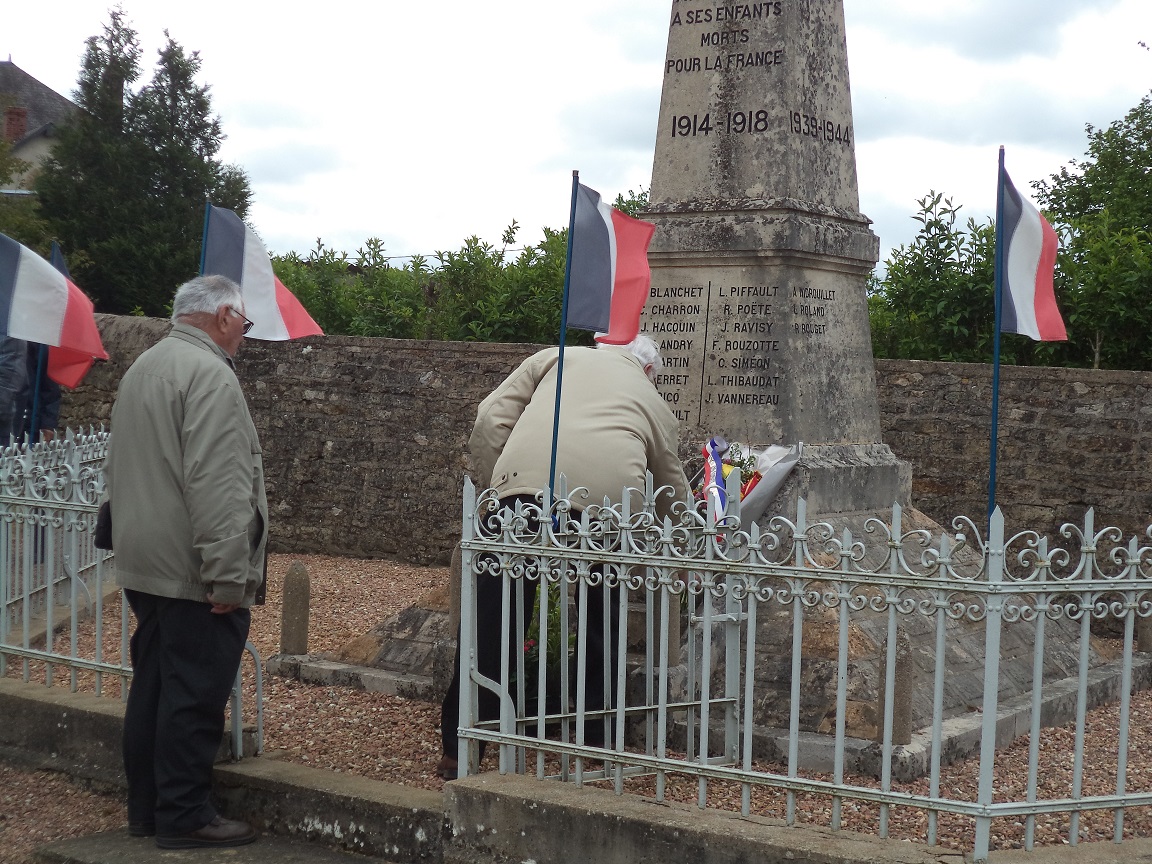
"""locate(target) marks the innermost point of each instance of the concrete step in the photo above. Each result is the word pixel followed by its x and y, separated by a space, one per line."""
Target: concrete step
pixel 312 669
pixel 116 847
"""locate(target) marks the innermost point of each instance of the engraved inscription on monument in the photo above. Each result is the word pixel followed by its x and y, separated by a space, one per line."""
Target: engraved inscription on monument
pixel 761 255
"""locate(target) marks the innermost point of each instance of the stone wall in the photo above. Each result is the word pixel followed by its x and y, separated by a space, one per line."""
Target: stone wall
pixel 1069 439
pixel 365 439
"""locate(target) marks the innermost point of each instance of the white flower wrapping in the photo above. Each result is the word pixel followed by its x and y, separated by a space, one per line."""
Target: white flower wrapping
pixel 774 463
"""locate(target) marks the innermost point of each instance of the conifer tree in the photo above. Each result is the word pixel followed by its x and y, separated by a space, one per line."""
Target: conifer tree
pixel 128 179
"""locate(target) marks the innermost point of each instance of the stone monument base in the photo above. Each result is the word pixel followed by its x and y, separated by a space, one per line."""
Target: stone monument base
pixel 847 478
pixel 417 646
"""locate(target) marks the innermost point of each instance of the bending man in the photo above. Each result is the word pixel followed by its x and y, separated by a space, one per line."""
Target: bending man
pixel 614 426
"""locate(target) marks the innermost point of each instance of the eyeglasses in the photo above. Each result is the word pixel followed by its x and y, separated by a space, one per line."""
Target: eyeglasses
pixel 248 324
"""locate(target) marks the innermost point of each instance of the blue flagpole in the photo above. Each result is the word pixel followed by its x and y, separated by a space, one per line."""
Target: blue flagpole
pixel 563 332
pixel 204 239
pixel 34 420
pixel 998 282
pixel 56 259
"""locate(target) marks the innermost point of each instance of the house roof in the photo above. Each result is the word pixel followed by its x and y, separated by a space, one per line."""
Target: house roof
pixel 48 130
pixel 45 106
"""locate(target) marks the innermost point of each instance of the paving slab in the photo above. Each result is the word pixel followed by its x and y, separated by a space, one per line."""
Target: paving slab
pixel 116 847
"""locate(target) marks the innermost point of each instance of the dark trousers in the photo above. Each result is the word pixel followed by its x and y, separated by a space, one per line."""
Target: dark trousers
pixel 489 601
pixel 184 663
pixel 601 643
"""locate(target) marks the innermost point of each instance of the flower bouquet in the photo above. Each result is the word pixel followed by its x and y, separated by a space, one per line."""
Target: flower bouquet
pixel 762 474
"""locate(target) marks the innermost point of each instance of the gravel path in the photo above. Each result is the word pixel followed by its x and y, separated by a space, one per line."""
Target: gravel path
pixel 397 740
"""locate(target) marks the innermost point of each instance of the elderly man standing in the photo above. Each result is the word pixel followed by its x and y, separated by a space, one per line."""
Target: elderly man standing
pixel 614 426
pixel 185 482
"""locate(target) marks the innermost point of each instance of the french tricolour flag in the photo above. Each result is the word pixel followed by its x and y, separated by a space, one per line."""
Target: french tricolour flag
pixel 609 278
pixel 1026 292
pixel 714 490
pixel 232 249
pixel 40 304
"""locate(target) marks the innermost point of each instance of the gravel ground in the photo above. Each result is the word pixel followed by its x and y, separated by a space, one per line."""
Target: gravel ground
pixel 397 740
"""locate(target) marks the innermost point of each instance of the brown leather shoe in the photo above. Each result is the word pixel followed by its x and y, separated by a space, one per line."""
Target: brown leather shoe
pixel 448 768
pixel 219 832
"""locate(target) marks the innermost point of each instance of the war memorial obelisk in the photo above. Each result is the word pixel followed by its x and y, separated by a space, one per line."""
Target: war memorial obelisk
pixel 761 255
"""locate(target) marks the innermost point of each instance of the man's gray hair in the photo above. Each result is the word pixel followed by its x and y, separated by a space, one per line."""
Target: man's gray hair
pixel 644 349
pixel 206 294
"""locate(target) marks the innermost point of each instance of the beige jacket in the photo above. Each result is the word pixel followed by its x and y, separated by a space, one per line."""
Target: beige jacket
pixel 185 476
pixel 613 426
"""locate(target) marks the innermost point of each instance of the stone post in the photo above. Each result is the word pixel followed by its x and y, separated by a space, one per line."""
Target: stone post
pixel 294 611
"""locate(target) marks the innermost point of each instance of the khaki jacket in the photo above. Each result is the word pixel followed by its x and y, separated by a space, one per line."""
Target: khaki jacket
pixel 185 476
pixel 613 426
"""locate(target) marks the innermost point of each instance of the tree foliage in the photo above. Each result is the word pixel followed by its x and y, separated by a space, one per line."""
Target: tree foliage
pixel 1102 206
pixel 1104 281
pixel 935 301
pixel 478 293
pixel 129 176
pixel 10 166
pixel 634 204
pixel 19 214
pixel 363 296
pixel 1114 175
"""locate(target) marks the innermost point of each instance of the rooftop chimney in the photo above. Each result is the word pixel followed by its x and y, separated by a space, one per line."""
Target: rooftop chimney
pixel 15 123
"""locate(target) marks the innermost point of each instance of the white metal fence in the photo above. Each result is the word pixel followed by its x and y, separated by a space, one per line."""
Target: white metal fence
pixel 59 606
pixel 1028 605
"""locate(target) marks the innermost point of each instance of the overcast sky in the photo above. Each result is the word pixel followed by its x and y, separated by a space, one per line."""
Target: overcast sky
pixel 425 123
